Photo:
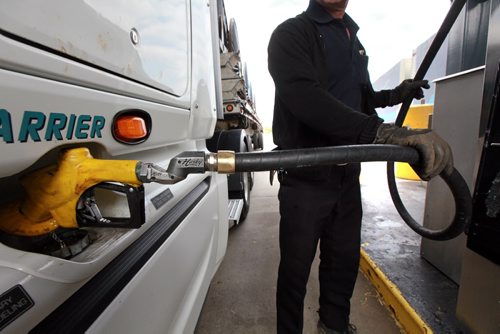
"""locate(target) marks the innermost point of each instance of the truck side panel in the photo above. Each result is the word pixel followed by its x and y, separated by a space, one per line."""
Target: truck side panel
pixel 58 114
pixel 146 41
pixel 61 85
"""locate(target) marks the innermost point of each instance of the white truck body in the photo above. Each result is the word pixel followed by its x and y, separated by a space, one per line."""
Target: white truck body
pixel 66 69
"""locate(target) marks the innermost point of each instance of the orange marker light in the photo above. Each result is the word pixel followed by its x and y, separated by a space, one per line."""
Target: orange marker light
pixel 230 108
pixel 130 128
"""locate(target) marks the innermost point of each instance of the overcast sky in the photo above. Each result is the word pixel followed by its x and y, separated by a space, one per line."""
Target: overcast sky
pixel 390 30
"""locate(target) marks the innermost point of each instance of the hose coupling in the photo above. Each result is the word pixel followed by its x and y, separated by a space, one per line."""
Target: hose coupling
pixel 226 162
pixel 221 162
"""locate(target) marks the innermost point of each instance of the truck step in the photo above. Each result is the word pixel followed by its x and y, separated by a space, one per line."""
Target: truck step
pixel 235 206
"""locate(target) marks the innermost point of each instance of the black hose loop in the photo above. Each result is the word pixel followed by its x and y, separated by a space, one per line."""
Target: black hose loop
pixel 463 206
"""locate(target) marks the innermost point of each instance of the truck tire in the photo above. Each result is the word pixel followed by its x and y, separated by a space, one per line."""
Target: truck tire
pixel 258 141
pixel 239 184
pixel 261 140
pixel 213 143
pixel 246 178
pixel 250 148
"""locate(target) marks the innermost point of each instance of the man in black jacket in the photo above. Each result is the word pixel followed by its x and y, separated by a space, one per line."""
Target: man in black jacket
pixel 324 98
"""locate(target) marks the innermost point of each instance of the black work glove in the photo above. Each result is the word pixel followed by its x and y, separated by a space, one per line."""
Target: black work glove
pixel 435 153
pixel 408 88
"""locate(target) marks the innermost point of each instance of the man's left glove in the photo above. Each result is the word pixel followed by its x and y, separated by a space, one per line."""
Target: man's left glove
pixel 435 153
pixel 408 88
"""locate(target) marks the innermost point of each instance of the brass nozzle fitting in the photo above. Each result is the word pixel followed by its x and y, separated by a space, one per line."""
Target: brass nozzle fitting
pixel 221 162
pixel 226 162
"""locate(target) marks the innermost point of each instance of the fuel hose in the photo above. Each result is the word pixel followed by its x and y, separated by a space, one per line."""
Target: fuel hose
pixel 285 159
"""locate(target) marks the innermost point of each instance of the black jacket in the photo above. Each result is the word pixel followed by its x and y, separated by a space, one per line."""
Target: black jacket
pixel 305 114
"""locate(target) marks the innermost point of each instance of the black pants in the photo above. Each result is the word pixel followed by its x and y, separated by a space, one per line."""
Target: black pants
pixel 327 210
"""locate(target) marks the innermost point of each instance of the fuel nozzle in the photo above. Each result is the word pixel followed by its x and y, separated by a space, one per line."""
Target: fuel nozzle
pixel 54 192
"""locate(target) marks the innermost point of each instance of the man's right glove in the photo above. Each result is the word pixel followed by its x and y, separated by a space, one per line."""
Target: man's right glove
pixel 435 153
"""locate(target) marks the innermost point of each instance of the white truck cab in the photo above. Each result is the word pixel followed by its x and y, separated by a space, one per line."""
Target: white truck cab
pixel 69 72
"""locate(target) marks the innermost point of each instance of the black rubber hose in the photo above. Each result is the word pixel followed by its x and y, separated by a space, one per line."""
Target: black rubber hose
pixel 455 177
pixel 285 159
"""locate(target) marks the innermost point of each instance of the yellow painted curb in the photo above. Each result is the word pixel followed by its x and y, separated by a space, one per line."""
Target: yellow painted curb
pixel 407 317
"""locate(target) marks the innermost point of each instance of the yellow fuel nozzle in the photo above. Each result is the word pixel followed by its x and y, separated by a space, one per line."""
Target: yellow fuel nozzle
pixel 53 192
